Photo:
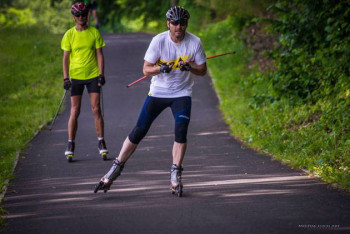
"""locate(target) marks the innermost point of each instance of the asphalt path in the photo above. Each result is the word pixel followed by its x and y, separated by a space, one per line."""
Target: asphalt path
pixel 227 188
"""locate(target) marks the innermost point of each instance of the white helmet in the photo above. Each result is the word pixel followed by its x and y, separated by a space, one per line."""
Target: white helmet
pixel 177 13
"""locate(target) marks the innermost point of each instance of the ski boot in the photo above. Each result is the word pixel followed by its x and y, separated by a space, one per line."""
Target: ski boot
pixel 112 175
pixel 69 153
pixel 102 148
pixel 176 183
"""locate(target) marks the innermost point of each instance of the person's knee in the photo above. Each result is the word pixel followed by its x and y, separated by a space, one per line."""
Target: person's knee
pixel 181 132
pixel 75 112
pixel 96 111
pixel 137 134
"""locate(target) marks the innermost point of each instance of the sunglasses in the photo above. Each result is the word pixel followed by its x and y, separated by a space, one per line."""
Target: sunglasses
pixel 177 22
pixel 80 14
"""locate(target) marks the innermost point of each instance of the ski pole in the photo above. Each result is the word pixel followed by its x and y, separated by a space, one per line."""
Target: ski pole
pixel 210 57
pixel 102 108
pixel 218 55
pixel 54 119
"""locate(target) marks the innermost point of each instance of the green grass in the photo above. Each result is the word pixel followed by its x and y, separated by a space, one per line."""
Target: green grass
pixel 313 137
pixel 30 77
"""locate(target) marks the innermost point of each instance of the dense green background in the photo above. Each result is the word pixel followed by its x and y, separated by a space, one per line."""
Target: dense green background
pixel 285 92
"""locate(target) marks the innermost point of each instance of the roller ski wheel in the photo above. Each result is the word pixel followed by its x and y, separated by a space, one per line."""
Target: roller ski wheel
pixel 104 156
pixel 102 186
pixel 69 157
pixel 107 180
pixel 102 148
pixel 178 190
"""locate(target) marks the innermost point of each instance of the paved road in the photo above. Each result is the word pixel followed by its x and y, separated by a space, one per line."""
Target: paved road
pixel 228 189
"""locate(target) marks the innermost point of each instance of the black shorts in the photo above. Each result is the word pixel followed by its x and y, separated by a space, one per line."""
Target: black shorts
pixel 77 87
pixel 180 107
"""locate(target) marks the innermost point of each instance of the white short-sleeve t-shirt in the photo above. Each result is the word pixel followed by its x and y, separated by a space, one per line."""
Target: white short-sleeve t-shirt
pixel 163 50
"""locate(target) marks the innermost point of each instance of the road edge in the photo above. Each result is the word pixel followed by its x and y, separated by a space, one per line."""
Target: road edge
pixel 7 181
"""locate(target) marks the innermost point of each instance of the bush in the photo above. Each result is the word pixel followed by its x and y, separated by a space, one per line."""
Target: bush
pixel 313 57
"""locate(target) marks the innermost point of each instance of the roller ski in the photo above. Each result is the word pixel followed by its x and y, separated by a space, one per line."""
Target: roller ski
pixel 69 153
pixel 112 175
pixel 176 183
pixel 102 149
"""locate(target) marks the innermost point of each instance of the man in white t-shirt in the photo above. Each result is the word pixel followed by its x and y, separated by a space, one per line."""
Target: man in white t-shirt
pixel 172 58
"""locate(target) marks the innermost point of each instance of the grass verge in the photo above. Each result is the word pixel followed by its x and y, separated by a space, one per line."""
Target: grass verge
pixel 30 61
pixel 306 136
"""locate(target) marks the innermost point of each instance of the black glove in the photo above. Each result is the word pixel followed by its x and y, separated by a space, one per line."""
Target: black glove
pixel 164 68
pixel 185 67
pixel 101 80
pixel 67 84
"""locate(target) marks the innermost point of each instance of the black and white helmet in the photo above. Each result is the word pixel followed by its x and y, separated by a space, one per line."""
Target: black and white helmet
pixel 177 13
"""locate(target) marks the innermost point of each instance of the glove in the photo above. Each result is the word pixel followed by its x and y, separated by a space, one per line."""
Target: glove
pixel 67 84
pixel 101 80
pixel 185 67
pixel 164 68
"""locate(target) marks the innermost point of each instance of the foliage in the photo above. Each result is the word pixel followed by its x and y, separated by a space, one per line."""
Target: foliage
pixel 124 15
pixel 224 37
pixel 312 59
pixel 220 9
pixel 5 3
pixel 54 15
pixel 131 15
pixel 2 220
pixel 116 15
pixel 17 17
